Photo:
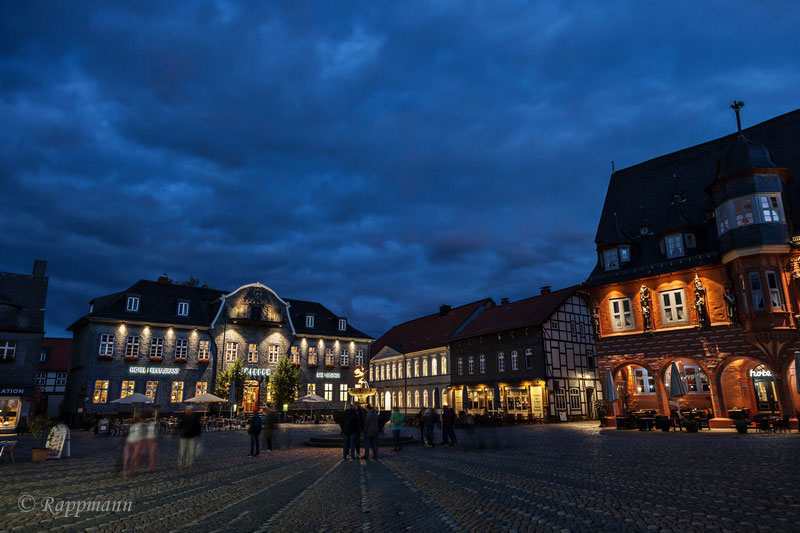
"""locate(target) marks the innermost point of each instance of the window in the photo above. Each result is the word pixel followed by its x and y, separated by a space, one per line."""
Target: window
pixel 41 379
pixel 471 365
pixel 444 365
pixel 329 392
pixel 743 293
pixel 590 361
pixel 434 366
pixel 342 324
pixel 643 382
pixel 343 392
pixel 425 399
pixel 696 379
pixel 201 388
pixel 624 254
pixel 610 259
pixel 311 388
pixel 344 357
pixel 460 366
pixel 202 350
pixel 425 366
pixel 183 308
pixel 673 308
pixel 561 400
pixel 181 348
pixel 482 363
pixel 8 350
pixel 309 321
pixel 106 345
pixel 399 370
pixel 151 390
pixel 691 242
pixel 274 353
pixel 295 354
pixel 416 398
pixel 359 357
pixel 416 367
pixel 252 353
pixel 61 379
pixel 312 355
pixel 177 392
pixel 101 391
pixel 408 399
pixel 501 362
pixel 528 358
pixel 756 292
pixel 743 211
pixel 408 370
pixel 775 299
pixel 621 316
pixel 514 360
pixel 770 207
pixel 231 351
pixel 674 245
pixel 574 399
pixel 127 388
pixel 723 219
pixel 133 304
pixel 329 356
pixel 43 357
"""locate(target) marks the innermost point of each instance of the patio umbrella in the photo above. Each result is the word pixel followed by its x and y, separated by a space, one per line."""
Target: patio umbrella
pixel 205 398
pixel 497 402
pixel 464 398
pixel 611 391
pixel 133 399
pixel 310 400
pixel 677 388
pixel 436 399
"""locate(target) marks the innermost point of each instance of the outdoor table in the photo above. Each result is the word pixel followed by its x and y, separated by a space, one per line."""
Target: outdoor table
pixel 646 423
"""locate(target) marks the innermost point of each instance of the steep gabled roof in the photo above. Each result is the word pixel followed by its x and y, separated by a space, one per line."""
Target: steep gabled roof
pixel 325 321
pixel 429 331
pixel 529 312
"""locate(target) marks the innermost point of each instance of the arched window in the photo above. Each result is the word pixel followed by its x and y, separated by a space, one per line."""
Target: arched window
pixel 514 360
pixel 394 370
pixel 460 365
pixel 394 399
pixel 383 372
pixel 400 370
pixel 483 364
pixel 416 398
pixel 444 365
pixel 416 368
pixel 371 377
pixel 425 399
pixel 408 369
pixel 408 399
pixel 425 366
pixel 501 362
pixel 433 366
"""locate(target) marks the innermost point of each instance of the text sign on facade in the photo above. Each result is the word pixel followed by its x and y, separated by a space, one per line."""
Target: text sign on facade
pixel 328 375
pixel 764 373
pixel 257 372
pixel 13 391
pixel 153 370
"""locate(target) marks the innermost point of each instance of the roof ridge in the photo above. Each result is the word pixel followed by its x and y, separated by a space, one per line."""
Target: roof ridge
pixel 437 314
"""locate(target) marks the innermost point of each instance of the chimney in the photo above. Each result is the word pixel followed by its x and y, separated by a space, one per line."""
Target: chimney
pixel 39 268
pixel 443 310
pixel 544 289
pixel 163 278
pixel 504 301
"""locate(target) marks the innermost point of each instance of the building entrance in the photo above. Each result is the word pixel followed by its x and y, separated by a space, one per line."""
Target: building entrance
pixel 250 401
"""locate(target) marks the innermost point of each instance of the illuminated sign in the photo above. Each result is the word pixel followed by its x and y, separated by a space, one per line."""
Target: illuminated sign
pixel 257 372
pixel 153 370
pixel 760 373
pixel 329 375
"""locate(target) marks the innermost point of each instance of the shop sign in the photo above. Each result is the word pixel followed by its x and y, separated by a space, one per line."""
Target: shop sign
pixel 329 375
pixel 257 372
pixel 58 442
pixel 14 391
pixel 763 373
pixel 153 370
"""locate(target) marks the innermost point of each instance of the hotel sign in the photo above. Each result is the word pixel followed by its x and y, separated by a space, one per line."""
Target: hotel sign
pixel 158 370
pixel 257 372
pixel 329 375
pixel 760 373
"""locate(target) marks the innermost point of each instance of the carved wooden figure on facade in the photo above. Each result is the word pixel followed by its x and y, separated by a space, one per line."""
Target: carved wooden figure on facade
pixel 596 322
pixel 644 300
pixel 700 303
pixel 730 304
pixel 794 268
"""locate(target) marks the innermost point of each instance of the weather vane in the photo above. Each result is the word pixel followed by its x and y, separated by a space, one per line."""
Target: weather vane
pixel 736 106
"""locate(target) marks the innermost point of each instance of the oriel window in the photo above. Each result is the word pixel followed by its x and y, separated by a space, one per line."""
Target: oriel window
pixel 774 288
pixel 757 292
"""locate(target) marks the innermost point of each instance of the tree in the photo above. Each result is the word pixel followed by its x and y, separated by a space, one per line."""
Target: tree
pixel 284 382
pixel 224 378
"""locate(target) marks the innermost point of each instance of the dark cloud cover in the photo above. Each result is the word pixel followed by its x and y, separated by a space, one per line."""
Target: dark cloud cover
pixel 380 157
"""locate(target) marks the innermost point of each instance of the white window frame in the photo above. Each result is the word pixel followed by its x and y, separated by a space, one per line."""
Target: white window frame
pixel 176 394
pixel 273 353
pixel 514 360
pixel 312 353
pixel 328 391
pixel 482 364
pixel 343 392
pixel 42 357
pixel 673 243
pixel 692 375
pixel 757 291
pixel 574 395
pixel 61 379
pixel 359 357
pixel 528 357
pixel 101 387
pixel 202 350
pixel 330 359
pixel 201 387
pixel 132 304
pixel 770 208
pixel 181 348
pixel 231 351
pixel 610 259
pixel 106 345
pixel 344 357
pixel 621 314
pixel 624 254
pixel 774 289
pixel 309 321
pixel 416 368
pixel 642 379
pixel 41 379
pixel 342 324
pixel 294 353
pixel 561 399
pixel 673 312
pixel 157 347
pixel 252 352
pixel 743 217
pixel 132 346
pixel 444 365
pixel 501 362
pixel 151 390
pixel 471 365
pixel 434 366
pixel 183 308
pixel 311 388
pixel 460 366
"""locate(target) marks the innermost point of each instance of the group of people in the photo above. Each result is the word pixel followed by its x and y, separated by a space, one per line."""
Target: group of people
pixel 427 419
pixel 258 425
pixel 142 439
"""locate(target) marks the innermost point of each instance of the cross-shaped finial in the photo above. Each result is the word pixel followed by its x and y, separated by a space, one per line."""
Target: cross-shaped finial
pixel 736 106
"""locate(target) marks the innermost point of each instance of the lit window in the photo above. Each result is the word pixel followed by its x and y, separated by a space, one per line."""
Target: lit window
pixel 621 316
pixel 696 379
pixel 770 207
pixel 127 388
pixel 201 388
pixel 408 398
pixel 514 361
pixel 41 379
pixel 673 308
pixel 252 353
pixel 434 364
pixel 295 353
pixel 329 392
pixel 132 347
pixel 342 324
pixel 274 353
pixel 610 259
pixel 743 211
pixel 425 366
pixel 574 399
pixel 106 345
pixel 471 365
pixel 501 362
pixel 359 357
pixel 312 355
pixel 311 388
pixel 460 366
pixel 329 357
pixel 231 351
pixel 482 364
pixel 624 254
pixel 444 365
pixel 101 391
pixel 181 348
pixel 416 398
pixel 43 357
pixel 343 394
pixel 133 304
pixel 528 358
pixel 157 347
pixel 775 299
pixel 309 321
pixel 408 370
pixel 344 357
pixel 177 392
pixel 416 368
pixel 383 372
pixel 674 245
pixel 400 370
pixel 723 219
pixel 757 292
pixel 202 350
pixel 183 308
pixel 425 398
pixel 643 382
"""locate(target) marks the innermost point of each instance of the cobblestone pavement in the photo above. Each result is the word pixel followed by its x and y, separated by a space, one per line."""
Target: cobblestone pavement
pixel 568 477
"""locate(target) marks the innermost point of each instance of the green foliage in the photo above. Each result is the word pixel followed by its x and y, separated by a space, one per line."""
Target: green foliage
pixel 284 382
pixel 224 379
pixel 741 425
pixel 40 428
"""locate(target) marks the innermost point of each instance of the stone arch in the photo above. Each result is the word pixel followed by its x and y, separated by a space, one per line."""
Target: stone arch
pixel 629 398
pixel 661 388
pixel 727 394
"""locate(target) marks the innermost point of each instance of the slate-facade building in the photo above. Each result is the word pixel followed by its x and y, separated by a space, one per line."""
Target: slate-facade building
pixel 698 264
pixel 532 359
pixel 22 308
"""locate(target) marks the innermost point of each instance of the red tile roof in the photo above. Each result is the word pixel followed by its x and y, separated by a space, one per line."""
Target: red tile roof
pixel 428 331
pixel 58 357
pixel 528 312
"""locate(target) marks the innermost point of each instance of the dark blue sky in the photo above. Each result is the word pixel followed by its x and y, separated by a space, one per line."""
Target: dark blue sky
pixel 382 158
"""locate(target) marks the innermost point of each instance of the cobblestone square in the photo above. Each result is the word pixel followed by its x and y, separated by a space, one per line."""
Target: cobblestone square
pixel 568 477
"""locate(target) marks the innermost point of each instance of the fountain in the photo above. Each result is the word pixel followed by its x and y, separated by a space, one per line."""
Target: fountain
pixel 362 390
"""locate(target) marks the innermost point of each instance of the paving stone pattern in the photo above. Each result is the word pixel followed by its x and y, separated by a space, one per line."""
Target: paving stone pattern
pixel 568 477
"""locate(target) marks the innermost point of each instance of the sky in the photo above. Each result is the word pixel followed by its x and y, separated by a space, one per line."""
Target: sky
pixel 382 158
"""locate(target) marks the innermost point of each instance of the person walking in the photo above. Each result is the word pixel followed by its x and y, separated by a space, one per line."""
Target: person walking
pixel 189 429
pixel 397 421
pixel 350 427
pixel 420 423
pixel 133 448
pixel 371 433
pixel 448 426
pixel 427 423
pixel 269 429
pixel 150 443
pixel 254 430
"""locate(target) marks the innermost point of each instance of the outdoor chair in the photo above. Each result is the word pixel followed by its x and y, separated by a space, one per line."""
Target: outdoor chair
pixel 8 451
pixel 702 423
pixel 781 425
pixel 762 425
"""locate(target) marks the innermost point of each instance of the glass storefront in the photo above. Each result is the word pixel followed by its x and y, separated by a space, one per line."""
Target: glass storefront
pixel 764 387
pixel 10 414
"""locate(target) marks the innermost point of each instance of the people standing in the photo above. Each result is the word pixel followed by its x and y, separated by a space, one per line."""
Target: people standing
pixel 371 433
pixel 427 423
pixel 397 420
pixel 362 414
pixel 189 429
pixel 420 423
pixel 448 426
pixel 132 449
pixel 254 430
pixel 350 428
pixel 269 429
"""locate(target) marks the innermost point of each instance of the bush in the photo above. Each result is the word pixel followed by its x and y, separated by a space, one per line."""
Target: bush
pixel 40 429
pixel 741 424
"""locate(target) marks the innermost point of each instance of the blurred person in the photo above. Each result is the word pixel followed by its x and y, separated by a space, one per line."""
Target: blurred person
pixel 428 419
pixel 371 428
pixel 448 426
pixel 133 446
pixel 150 443
pixel 419 420
pixel 254 430
pixel 397 421
pixel 189 430
pixel 269 428
pixel 350 429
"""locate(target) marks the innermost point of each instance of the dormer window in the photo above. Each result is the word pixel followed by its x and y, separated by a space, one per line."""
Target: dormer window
pixel 674 245
pixel 624 254
pixel 133 304
pixel 309 321
pixel 342 324
pixel 691 242
pixel 183 308
pixel 610 259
